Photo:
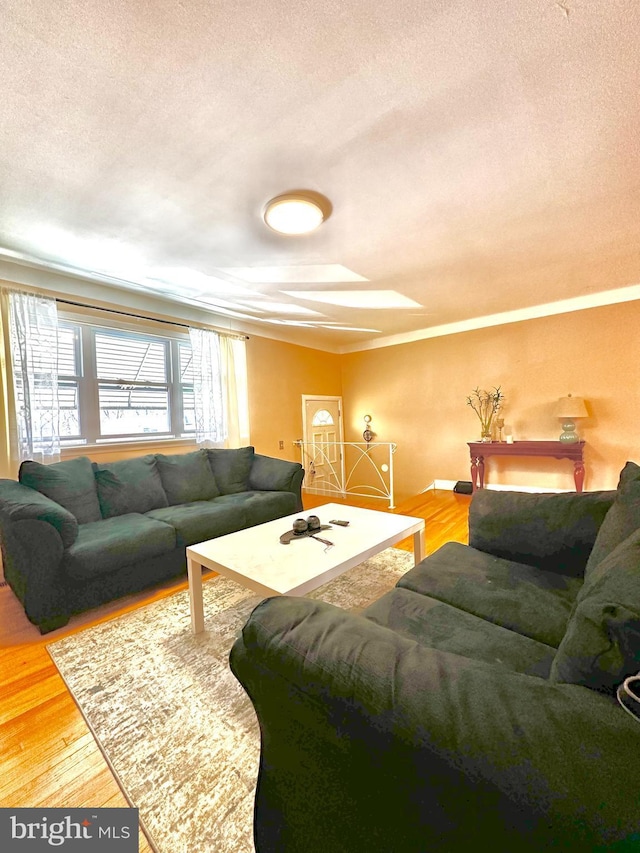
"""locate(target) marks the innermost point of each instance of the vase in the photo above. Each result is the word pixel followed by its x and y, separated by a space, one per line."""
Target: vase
pixel 485 434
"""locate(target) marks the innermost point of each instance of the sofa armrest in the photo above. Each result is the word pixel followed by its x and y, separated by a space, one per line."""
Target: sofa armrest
pixel 371 741
pixel 34 532
pixel 555 532
pixel 22 503
pixel 32 560
pixel 268 473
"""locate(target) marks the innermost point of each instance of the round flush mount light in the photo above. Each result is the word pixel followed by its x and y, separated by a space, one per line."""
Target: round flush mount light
pixel 297 212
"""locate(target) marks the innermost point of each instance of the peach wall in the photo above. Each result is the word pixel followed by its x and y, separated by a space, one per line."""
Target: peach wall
pixel 278 375
pixel 416 394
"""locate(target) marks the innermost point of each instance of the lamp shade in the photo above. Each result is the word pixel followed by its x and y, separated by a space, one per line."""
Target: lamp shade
pixel 571 407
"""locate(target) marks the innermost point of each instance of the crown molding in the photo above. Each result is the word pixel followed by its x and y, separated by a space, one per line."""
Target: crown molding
pixel 56 279
pixel 549 309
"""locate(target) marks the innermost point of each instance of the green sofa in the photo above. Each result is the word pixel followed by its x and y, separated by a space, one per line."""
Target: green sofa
pixel 471 707
pixel 76 534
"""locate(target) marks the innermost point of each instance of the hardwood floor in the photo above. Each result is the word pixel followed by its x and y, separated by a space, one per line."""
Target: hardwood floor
pixel 445 515
pixel 48 756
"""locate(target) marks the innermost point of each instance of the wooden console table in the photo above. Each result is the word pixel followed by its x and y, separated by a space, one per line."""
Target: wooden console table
pixel 557 449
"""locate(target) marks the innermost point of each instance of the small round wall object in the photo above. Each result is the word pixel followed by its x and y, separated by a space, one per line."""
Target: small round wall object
pixel 368 434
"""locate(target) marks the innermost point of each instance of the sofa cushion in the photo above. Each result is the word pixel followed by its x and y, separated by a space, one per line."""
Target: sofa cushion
pixel 260 507
pixel 131 485
pixel 268 473
pixel 555 532
pixel 107 545
pixel 187 477
pixel 231 468
pixel 70 483
pixel 531 601
pixel 440 626
pixel 601 646
pixel 621 520
pixel 201 520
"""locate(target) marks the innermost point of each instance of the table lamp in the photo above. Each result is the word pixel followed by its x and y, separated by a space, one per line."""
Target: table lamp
pixel 568 409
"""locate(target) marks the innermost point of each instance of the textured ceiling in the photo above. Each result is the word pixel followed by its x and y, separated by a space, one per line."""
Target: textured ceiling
pixel 480 157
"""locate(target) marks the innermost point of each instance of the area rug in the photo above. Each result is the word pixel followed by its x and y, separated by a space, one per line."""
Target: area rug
pixel 174 725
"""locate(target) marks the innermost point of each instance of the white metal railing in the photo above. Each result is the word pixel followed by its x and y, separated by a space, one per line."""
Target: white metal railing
pixel 331 467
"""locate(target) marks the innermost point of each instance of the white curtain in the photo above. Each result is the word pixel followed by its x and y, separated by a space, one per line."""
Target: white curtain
pixel 33 331
pixel 220 389
pixel 234 378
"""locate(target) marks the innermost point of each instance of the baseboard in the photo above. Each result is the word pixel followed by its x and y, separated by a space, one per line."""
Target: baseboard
pixel 447 485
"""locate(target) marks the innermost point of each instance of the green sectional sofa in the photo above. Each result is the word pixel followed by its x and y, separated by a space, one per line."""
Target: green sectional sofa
pixel 471 707
pixel 77 533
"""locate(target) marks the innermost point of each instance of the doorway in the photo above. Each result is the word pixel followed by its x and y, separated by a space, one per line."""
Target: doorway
pixel 322 444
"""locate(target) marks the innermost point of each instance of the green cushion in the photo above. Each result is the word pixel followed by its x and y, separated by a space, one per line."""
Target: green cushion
pixel 269 473
pixel 530 601
pixel 112 543
pixel 200 520
pixel 187 477
pixel 231 468
pixel 131 485
pixel 440 626
pixel 21 503
pixel 555 532
pixel 621 520
pixel 70 483
pixel 260 507
pixel 601 646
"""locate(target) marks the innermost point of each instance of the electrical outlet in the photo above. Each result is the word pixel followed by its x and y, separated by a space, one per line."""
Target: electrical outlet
pixel 281 445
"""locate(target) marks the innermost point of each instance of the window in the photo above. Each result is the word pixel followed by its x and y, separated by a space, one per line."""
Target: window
pixel 133 384
pixel 69 381
pixel 185 361
pixel 115 384
pixel 322 418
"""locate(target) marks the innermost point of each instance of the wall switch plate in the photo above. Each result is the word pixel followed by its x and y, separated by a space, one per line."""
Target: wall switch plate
pixel 281 445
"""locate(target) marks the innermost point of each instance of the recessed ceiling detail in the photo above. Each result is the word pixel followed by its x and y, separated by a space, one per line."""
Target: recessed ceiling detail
pixel 314 324
pixel 303 274
pixel 378 299
pixel 348 328
pixel 188 281
pixel 268 307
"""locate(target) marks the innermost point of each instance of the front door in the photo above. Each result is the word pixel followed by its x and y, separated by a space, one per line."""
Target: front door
pixel 322 452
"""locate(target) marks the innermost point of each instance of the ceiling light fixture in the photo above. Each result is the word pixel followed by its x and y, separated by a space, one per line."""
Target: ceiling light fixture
pixel 297 212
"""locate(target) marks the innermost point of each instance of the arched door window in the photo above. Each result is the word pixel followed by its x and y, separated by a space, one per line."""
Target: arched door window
pixel 322 418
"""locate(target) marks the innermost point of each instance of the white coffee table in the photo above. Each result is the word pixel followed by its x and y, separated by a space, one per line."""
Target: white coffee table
pixel 255 558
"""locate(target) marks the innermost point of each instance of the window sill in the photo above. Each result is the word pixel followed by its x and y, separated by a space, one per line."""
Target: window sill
pixel 127 447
